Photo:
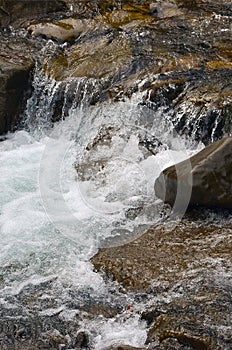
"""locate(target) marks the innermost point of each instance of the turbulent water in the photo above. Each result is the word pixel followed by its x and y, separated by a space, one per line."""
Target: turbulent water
pixel 67 190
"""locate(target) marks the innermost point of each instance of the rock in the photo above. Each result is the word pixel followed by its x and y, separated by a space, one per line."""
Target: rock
pixel 82 340
pixel 186 279
pixel 97 58
pixel 164 9
pixel 165 328
pixel 167 43
pixel 67 29
pixel 16 13
pixel 199 101
pixel 162 254
pixel 206 6
pixel 117 45
pixel 207 174
pixel 14 82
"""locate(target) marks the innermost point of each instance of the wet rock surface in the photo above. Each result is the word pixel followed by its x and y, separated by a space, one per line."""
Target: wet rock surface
pixel 199 102
pixel 174 45
pixel 68 29
pixel 180 269
pixel 14 80
pixel 177 52
pixel 207 175
pixel 38 321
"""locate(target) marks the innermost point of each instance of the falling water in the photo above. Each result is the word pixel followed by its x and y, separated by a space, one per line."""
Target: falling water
pixel 67 190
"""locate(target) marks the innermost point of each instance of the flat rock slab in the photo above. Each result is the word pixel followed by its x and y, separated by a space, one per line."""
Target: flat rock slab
pixel 186 274
pixel 208 175
pixel 164 254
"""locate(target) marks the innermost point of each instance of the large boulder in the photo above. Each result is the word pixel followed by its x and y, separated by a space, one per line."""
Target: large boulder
pixel 208 175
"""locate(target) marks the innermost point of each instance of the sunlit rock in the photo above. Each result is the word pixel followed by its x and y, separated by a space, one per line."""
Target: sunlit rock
pixel 67 29
pixel 96 58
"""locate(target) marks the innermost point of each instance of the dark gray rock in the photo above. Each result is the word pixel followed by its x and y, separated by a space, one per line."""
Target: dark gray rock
pixel 208 175
pixel 14 82
pixel 16 13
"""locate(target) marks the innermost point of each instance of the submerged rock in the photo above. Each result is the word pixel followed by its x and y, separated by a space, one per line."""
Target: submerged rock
pixel 208 175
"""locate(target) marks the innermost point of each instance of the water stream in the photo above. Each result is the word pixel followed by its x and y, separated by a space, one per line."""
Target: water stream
pixel 66 191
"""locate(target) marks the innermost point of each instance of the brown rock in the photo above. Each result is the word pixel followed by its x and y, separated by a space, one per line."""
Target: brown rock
pixel 162 254
pixel 207 176
pixel 98 59
pixel 161 41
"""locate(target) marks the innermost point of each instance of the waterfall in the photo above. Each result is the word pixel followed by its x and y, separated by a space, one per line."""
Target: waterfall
pixel 71 187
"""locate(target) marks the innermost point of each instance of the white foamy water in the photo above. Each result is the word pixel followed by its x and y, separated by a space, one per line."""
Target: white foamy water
pixel 53 220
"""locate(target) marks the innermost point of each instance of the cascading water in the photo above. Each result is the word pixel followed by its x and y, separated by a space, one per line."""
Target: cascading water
pixel 67 190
